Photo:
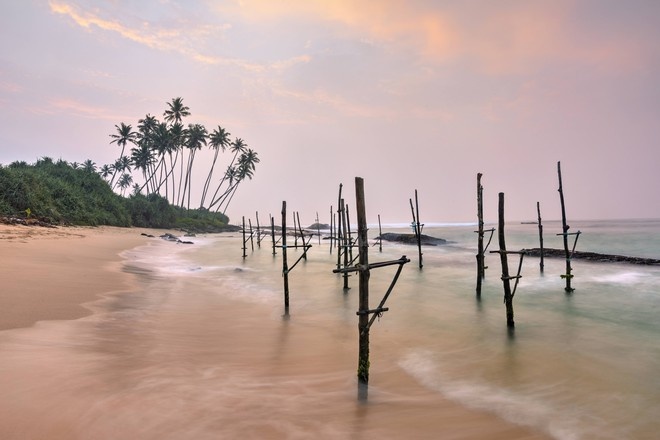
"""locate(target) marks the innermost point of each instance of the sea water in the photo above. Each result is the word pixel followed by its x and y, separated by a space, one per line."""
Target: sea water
pixel 202 347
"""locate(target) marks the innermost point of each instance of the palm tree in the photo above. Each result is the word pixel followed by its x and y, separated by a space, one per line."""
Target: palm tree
pixel 124 135
pixel 218 140
pixel 89 166
pixel 176 111
pixel 177 135
pixel 106 170
pixel 246 167
pixel 195 139
pixel 124 182
pixel 238 146
pixel 142 159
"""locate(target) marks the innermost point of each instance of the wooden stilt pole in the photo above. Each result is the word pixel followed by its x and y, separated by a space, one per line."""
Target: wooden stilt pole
pixel 258 231
pixel 380 235
pixel 285 268
pixel 332 229
pixel 538 210
pixel 364 274
pixel 480 241
pixel 272 232
pixel 339 239
pixel 251 235
pixel 302 236
pixel 344 242
pixel 417 227
pixel 568 275
pixel 244 242
pixel 318 227
pixel 508 297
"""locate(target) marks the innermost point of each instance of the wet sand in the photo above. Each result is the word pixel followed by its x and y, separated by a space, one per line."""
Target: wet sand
pixel 253 389
pixel 47 273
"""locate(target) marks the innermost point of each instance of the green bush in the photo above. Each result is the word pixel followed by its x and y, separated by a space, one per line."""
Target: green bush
pixel 56 192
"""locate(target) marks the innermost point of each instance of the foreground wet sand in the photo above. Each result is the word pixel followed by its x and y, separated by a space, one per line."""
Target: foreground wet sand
pixel 150 364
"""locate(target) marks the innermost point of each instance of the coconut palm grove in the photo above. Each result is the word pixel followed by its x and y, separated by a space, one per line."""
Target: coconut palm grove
pixel 151 183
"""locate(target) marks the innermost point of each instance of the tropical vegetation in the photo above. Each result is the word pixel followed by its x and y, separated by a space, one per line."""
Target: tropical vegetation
pixel 62 193
pixel 150 184
pixel 161 160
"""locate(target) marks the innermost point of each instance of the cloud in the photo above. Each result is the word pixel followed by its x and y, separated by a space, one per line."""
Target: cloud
pixel 183 40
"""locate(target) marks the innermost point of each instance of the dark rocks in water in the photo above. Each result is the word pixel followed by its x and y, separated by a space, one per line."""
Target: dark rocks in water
pixel 171 237
pixel 412 239
pixel 592 256
pixel 147 235
pixel 316 226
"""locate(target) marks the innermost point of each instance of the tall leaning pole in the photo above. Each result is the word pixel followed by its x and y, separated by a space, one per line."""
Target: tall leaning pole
pixel 363 282
pixel 565 227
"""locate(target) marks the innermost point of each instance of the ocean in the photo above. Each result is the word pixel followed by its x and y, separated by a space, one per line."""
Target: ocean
pixel 202 348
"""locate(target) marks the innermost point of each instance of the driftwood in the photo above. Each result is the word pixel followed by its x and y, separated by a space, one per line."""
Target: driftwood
pixel 592 256
pixel 412 239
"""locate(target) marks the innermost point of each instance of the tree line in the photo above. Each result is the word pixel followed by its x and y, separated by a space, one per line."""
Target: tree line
pixel 163 154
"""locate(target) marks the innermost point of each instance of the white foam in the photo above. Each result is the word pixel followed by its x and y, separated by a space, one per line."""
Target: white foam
pixel 512 406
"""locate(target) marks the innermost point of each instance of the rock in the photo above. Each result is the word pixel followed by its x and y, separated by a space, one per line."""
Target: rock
pixel 591 256
pixel 412 239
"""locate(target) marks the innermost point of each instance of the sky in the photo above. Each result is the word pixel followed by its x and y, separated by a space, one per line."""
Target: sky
pixel 407 94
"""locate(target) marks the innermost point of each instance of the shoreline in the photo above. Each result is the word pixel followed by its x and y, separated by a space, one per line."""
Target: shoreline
pixel 52 274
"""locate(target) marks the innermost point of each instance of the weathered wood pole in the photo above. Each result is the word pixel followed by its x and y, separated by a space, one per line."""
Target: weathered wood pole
pixel 344 242
pixel 417 227
pixel 318 227
pixel 285 266
pixel 565 229
pixel 380 236
pixel 508 296
pixel 251 235
pixel 332 228
pixel 364 274
pixel 272 232
pixel 302 235
pixel 538 211
pixel 244 241
pixel 339 238
pixel 480 231
pixel 258 231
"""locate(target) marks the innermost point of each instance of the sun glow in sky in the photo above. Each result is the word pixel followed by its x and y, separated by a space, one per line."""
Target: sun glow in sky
pixel 413 94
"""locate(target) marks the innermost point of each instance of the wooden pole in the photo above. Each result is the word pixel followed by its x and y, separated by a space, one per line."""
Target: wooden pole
pixel 349 237
pixel 340 216
pixel 380 236
pixel 364 274
pixel 251 235
pixel 272 232
pixel 332 229
pixel 318 227
pixel 417 227
pixel 285 267
pixel 244 242
pixel 344 242
pixel 538 210
pixel 508 297
pixel 302 235
pixel 568 276
pixel 480 241
pixel 258 231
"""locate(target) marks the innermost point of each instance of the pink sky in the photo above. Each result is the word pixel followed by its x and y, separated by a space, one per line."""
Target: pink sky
pixel 408 94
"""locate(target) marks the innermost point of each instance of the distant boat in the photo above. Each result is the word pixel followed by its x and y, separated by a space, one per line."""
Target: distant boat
pixel 529 223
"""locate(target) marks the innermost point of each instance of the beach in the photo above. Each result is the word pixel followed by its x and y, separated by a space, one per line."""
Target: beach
pixel 93 344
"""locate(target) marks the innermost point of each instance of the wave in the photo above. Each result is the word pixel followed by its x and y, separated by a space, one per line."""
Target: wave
pixel 533 410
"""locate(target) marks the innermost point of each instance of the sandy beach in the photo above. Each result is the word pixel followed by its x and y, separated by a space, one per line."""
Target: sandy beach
pixel 49 273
